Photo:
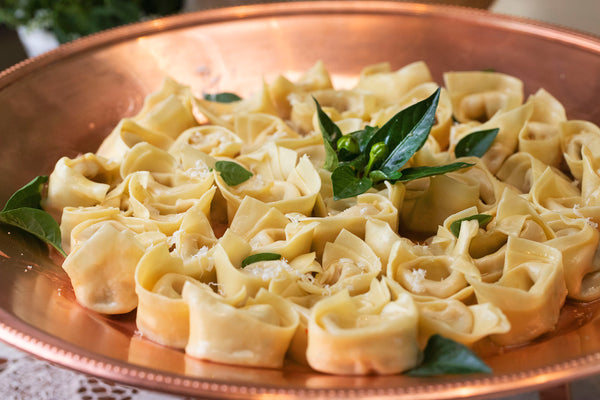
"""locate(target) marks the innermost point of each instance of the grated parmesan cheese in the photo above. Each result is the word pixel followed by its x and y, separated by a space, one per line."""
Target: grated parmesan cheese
pixel 415 279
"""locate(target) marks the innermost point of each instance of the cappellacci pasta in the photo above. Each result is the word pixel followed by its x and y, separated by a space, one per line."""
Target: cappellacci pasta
pixel 219 222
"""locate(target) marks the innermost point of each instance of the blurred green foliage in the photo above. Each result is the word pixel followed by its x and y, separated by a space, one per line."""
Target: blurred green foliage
pixel 71 19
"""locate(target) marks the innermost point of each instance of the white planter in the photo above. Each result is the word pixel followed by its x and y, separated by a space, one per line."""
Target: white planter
pixel 37 41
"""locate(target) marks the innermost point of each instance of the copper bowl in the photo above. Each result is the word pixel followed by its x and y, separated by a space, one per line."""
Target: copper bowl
pixel 66 101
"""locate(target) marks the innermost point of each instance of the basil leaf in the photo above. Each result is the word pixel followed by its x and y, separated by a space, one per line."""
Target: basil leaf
pixel 331 158
pixel 378 176
pixel 410 174
pixel 407 132
pixel 364 137
pixel 23 210
pixel 445 356
pixel 260 257
pixel 476 143
pixel 232 173
pixel 483 219
pixel 225 97
pixel 347 184
pixel 36 222
pixel 359 163
pixel 29 195
pixel 330 131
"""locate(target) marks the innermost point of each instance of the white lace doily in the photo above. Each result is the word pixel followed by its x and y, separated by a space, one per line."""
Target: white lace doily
pixel 25 377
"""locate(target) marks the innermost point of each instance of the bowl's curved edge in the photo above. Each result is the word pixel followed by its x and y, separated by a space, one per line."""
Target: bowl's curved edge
pixel 216 15
pixel 47 347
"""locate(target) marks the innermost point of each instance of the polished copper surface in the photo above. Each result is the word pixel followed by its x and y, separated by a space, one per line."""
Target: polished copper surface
pixel 66 101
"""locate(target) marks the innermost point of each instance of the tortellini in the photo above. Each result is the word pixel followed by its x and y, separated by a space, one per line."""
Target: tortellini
pixel 264 327
pixel 102 264
pixel 272 266
pixel 344 338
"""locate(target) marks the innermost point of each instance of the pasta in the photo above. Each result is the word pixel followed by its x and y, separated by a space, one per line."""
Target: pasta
pixel 272 264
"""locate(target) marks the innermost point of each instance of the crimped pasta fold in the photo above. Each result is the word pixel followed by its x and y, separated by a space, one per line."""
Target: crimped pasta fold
pixel 424 210
pixel 478 96
pixel 164 115
pixel 102 265
pixel 348 264
pixel 541 138
pixel 465 324
pixel 256 334
pixel 256 129
pixel 530 291
pixel 80 182
pixel 279 179
pixel 268 230
pixel 193 243
pixel 353 219
pixel 228 255
pixel 578 242
pixel 162 315
pixel 345 338
pixel 574 136
pixel 388 87
pixel 424 274
pixel 142 196
pixel 219 113
pixel 214 140
pixel 511 124
pixel 73 216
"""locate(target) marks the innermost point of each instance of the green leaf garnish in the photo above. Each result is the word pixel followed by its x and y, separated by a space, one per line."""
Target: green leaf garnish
pixel 445 356
pixel 365 138
pixel 382 152
pixel 23 210
pixel 483 219
pixel 260 257
pixel 347 184
pixel 232 173
pixel 330 131
pixel 347 147
pixel 37 222
pixel 331 134
pixel 410 174
pixel 378 176
pixel 407 132
pixel 29 195
pixel 225 97
pixel 475 144
pixel 378 153
pixel 331 157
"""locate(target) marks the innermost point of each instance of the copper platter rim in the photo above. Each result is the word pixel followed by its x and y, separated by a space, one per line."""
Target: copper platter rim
pixel 216 15
pixel 55 350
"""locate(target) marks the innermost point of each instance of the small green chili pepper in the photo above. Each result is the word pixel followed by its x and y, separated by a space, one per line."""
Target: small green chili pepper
pixel 347 147
pixel 379 152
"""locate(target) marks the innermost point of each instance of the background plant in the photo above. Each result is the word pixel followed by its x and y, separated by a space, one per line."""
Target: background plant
pixel 71 19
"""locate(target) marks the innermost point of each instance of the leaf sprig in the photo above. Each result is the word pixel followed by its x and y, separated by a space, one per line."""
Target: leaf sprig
pixel 222 97
pixel 482 219
pixel 232 173
pixel 445 356
pixel 260 257
pixel 363 158
pixel 23 210
pixel 475 144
